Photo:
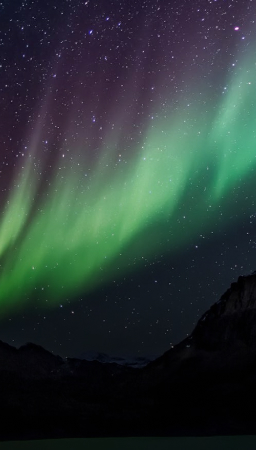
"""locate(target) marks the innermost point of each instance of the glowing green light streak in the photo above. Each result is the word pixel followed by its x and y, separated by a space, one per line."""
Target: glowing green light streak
pixel 234 133
pixel 83 224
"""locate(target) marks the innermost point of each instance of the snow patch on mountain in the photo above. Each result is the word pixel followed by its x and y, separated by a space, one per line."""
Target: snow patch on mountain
pixel 128 361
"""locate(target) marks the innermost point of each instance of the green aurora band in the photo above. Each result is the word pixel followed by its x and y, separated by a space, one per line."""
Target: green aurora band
pixel 87 230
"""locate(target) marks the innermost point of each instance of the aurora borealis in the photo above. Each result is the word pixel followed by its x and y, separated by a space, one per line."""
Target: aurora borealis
pixel 128 153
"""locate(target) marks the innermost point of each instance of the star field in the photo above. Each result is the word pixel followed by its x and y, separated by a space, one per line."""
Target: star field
pixel 127 169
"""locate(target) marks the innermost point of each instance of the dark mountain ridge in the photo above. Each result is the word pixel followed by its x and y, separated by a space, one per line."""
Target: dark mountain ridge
pixel 205 385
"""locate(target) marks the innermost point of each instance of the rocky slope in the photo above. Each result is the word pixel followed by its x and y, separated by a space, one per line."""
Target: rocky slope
pixel 232 320
pixel 206 385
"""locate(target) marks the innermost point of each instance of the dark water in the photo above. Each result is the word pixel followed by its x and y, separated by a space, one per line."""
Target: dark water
pixel 209 443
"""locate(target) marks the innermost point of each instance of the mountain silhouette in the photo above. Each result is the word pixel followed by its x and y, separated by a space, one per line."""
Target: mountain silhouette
pixel 203 386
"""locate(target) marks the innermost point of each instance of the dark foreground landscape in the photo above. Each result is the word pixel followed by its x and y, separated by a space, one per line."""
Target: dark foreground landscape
pixel 204 386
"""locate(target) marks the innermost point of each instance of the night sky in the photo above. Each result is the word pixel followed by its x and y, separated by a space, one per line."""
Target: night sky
pixel 127 168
